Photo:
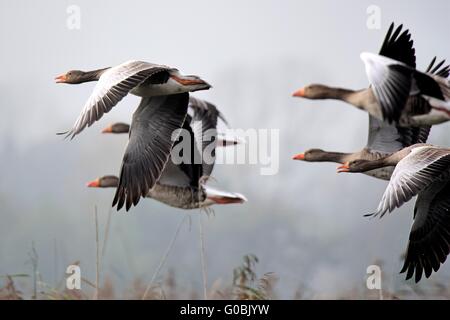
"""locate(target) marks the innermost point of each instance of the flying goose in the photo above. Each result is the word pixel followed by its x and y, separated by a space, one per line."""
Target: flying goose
pixel 162 111
pixel 179 196
pixel 182 185
pixel 422 170
pixel 394 82
pixel 139 78
pixel 383 138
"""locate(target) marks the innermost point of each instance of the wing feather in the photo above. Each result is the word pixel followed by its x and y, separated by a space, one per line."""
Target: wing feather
pixel 429 239
pixel 112 86
pixel 149 146
pixel 391 83
pixel 421 167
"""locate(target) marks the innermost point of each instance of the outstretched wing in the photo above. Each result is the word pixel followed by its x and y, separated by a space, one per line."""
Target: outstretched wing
pixel 391 82
pixel 429 240
pixel 415 172
pixel 386 137
pixel 112 86
pixel 148 148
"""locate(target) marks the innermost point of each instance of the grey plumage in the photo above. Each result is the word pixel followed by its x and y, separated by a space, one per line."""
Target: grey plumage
pixel 149 145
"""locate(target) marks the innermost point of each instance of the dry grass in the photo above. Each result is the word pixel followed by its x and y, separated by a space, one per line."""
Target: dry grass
pixel 245 284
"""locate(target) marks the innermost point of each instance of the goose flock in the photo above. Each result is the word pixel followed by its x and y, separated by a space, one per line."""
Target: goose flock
pixel 147 169
pixel 402 104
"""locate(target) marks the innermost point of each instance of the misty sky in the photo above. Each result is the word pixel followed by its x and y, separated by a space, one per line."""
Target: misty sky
pixel 305 223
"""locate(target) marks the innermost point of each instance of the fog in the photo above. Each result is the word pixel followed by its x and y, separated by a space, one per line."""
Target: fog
pixel 305 223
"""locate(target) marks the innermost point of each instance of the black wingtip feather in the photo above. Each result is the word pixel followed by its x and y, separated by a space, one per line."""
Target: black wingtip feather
pixel 399 46
pixel 66 135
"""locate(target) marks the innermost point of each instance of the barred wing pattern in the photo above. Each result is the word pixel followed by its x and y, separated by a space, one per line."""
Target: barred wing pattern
pixel 390 81
pixel 418 170
pixel 429 239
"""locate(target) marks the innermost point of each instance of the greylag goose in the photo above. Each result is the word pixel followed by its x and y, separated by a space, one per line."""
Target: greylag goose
pixel 383 139
pixel 162 110
pixel 182 185
pixel 139 78
pixel 422 170
pixel 396 87
pixel 179 196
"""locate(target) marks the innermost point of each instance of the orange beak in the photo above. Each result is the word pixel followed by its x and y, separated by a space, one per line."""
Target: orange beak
pixel 300 156
pixel 61 79
pixel 344 168
pixel 94 184
pixel 107 130
pixel 299 93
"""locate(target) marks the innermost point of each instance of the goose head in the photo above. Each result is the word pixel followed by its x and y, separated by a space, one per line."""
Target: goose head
pixel 104 182
pixel 313 91
pixel 310 155
pixel 78 76
pixel 72 77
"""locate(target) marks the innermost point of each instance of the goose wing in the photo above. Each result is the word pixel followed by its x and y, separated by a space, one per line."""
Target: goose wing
pixel 204 126
pixel 148 149
pixel 200 128
pixel 429 239
pixel 383 137
pixel 191 164
pixel 386 138
pixel 390 81
pixel 421 167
